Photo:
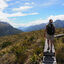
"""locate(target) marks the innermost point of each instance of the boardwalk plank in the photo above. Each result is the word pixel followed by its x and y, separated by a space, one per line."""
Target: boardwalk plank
pixel 49 58
pixel 46 46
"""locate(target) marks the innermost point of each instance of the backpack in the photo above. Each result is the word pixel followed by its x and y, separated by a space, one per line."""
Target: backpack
pixel 50 29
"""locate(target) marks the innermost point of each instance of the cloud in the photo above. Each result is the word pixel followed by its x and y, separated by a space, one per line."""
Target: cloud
pixel 36 22
pixel 49 3
pixel 39 21
pixel 60 17
pixel 6 16
pixel 27 3
pixel 17 25
pixel 22 8
pixel 3 16
pixel 7 0
pixel 21 14
pixel 3 5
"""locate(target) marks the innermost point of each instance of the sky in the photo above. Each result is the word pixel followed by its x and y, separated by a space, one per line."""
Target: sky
pixel 23 13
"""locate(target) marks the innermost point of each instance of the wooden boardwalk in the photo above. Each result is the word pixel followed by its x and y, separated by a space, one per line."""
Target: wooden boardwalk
pixel 49 58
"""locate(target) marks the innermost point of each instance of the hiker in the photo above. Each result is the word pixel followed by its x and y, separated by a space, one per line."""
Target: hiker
pixel 49 34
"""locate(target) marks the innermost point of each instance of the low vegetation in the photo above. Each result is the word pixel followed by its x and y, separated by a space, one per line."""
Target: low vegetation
pixel 27 48
pixel 59 47
pixel 24 48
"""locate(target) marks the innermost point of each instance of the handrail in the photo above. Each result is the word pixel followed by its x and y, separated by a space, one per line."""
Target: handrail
pixel 59 35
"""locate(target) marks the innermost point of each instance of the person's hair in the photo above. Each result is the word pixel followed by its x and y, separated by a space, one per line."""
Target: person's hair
pixel 50 20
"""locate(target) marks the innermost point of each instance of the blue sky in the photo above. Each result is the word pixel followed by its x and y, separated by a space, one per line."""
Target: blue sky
pixel 21 13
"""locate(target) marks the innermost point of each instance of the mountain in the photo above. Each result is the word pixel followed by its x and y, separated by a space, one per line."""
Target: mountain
pixel 22 28
pixel 33 28
pixel 7 29
pixel 57 23
pixel 36 27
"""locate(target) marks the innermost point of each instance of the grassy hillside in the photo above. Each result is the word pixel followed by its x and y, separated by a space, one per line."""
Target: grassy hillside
pixel 27 48
pixel 22 48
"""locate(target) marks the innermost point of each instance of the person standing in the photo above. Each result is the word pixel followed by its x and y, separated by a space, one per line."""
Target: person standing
pixel 49 34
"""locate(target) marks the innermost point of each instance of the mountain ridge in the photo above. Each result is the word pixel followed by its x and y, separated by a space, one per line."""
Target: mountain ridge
pixel 7 29
pixel 58 24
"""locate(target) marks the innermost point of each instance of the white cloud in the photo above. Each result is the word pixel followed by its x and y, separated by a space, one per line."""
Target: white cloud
pixel 49 3
pixel 5 16
pixel 22 8
pixel 17 25
pixel 35 13
pixel 39 21
pixel 27 3
pixel 3 5
pixel 7 0
pixel 36 22
pixel 60 17
pixel 21 14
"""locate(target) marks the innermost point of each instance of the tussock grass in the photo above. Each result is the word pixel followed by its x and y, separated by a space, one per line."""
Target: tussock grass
pixel 59 46
pixel 27 48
